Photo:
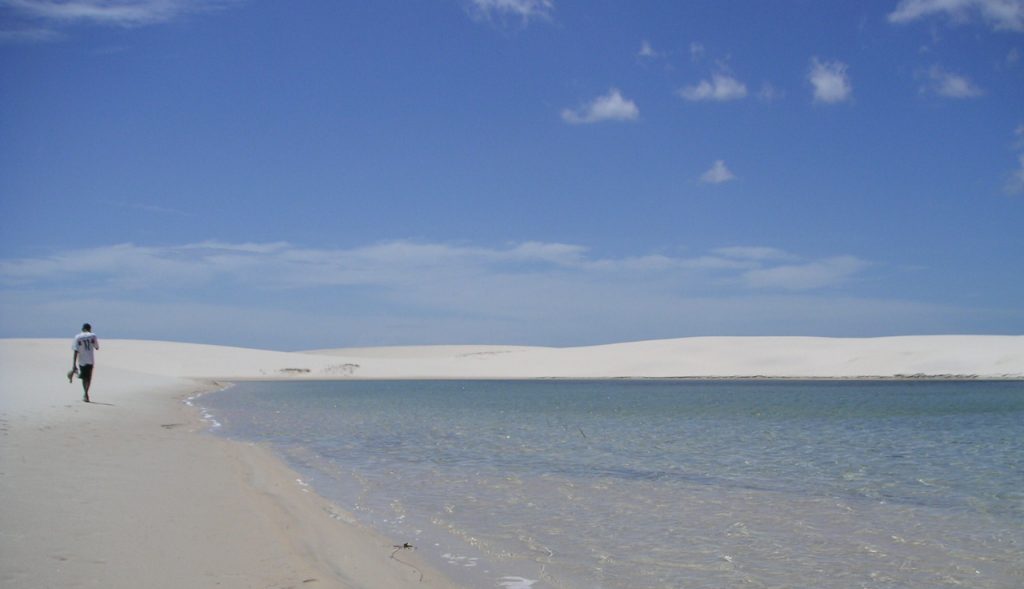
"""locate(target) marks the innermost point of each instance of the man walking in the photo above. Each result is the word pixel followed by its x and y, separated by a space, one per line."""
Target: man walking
pixel 85 343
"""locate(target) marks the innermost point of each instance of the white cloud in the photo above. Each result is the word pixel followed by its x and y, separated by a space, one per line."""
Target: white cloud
pixel 127 13
pixel 144 207
pixel 610 107
pixel 284 296
pixel 555 253
pixel 247 247
pixel 30 35
pixel 830 81
pixel 1015 185
pixel 288 296
pixel 812 275
pixel 770 93
pixel 1001 14
pixel 618 314
pixel 951 85
pixel 281 265
pixel 37 21
pixel 720 88
pixel 696 51
pixel 524 9
pixel 753 253
pixel 718 174
pixel 647 50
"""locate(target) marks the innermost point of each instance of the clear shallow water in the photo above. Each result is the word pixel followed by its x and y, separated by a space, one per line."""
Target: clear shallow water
pixel 635 484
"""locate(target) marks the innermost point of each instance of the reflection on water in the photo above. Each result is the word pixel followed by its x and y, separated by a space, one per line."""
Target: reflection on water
pixel 630 484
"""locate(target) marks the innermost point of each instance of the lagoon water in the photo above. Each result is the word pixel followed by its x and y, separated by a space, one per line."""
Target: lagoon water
pixel 666 483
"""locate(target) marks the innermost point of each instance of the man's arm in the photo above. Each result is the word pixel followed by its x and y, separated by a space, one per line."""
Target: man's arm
pixel 74 361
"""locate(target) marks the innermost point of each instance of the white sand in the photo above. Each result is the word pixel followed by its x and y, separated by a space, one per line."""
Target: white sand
pixel 126 492
pixel 700 357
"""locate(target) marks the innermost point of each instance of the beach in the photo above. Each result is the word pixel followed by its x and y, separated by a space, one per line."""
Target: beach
pixel 128 492
pixel 131 490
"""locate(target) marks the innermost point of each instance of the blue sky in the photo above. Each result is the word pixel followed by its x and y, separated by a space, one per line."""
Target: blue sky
pixel 309 174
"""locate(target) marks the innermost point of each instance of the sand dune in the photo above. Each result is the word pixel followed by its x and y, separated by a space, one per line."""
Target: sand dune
pixel 712 357
pixel 132 365
pixel 409 352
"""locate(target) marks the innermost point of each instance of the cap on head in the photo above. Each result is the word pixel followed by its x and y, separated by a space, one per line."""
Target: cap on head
pixel 86 327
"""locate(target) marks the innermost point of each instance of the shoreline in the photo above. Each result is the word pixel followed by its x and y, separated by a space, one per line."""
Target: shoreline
pixel 737 378
pixel 132 490
pixel 348 553
pixel 390 460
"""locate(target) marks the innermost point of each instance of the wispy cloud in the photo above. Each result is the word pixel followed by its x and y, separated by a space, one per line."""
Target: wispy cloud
pixel 720 88
pixel 111 12
pixel 1013 57
pixel 282 295
pixel 610 107
pixel 697 51
pixel 281 265
pixel 30 35
pixel 830 81
pixel 719 173
pixel 40 20
pixel 769 93
pixel 526 10
pixel 647 50
pixel 146 207
pixel 1015 184
pixel 1001 14
pixel 753 253
pixel 811 275
pixel 951 85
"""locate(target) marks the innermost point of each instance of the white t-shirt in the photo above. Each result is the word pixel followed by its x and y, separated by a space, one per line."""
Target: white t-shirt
pixel 85 343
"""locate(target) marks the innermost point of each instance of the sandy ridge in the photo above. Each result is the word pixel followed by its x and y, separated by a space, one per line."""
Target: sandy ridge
pixel 129 365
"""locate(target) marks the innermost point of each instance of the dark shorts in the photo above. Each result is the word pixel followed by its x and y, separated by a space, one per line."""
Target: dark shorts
pixel 85 371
